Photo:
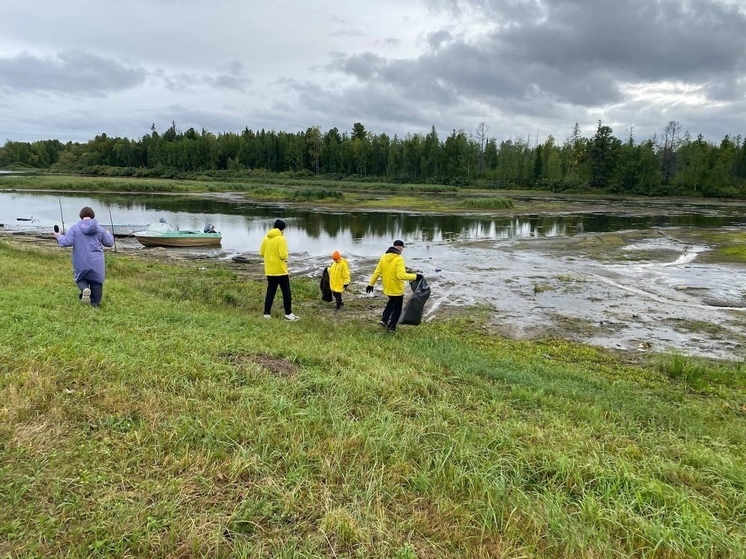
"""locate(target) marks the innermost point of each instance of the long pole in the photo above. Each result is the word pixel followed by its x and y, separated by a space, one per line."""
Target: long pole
pixel 113 236
pixel 61 216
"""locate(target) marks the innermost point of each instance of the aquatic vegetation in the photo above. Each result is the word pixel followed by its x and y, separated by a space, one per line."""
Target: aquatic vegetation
pixel 542 287
pixel 492 203
pixel 699 326
pixel 728 245
pixel 570 279
pixel 734 253
pixel 317 194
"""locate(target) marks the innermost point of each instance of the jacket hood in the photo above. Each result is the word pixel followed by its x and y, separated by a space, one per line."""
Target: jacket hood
pixel 272 233
pixel 393 250
pixel 391 255
pixel 89 226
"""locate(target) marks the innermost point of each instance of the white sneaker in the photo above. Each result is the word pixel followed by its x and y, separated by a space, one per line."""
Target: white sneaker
pixel 86 296
pixel 291 317
pixel 267 316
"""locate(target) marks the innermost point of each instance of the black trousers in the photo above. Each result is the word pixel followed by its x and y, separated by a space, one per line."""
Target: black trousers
pixel 338 298
pixel 284 284
pixel 392 312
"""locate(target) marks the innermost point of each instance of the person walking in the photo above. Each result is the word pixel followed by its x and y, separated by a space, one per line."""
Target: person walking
pixel 274 250
pixel 393 274
pixel 88 240
pixel 339 277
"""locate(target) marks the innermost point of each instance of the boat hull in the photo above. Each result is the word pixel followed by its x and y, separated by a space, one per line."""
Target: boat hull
pixel 182 240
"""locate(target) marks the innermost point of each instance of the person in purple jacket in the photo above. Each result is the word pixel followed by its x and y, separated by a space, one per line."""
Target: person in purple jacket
pixel 88 240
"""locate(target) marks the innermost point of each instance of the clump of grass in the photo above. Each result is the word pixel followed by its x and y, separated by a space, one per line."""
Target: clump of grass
pixel 700 375
pixel 307 194
pixel 487 203
pixel 568 278
pixel 542 287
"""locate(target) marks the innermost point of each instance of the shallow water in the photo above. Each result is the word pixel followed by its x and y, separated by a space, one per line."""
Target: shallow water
pixel 364 233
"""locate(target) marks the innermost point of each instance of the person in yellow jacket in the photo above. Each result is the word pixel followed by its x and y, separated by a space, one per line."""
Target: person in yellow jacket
pixel 339 277
pixel 274 250
pixel 393 274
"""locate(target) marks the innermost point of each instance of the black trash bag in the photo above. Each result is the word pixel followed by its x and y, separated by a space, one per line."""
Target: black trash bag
pixel 326 290
pixel 412 313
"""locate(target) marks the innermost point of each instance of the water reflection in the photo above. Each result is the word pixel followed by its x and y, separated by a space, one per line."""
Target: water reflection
pixel 243 224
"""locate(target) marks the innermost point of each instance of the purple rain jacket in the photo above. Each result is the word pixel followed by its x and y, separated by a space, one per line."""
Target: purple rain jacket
pixel 88 240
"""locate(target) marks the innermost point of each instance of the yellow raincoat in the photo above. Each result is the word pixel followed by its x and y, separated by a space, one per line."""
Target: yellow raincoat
pixel 392 272
pixel 274 250
pixel 339 275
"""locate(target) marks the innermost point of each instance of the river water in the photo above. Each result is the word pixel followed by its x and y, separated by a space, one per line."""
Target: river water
pixel 538 275
pixel 244 224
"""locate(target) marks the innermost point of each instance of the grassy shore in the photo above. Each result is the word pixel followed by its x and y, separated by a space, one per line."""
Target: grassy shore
pixel 271 188
pixel 175 421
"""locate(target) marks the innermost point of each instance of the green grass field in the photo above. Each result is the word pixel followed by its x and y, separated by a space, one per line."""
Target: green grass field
pixel 175 421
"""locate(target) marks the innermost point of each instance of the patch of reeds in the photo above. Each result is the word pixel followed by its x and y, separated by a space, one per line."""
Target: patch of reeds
pixel 310 194
pixel 487 203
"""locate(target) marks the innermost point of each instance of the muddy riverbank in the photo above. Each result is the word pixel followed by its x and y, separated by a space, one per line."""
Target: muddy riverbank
pixel 635 291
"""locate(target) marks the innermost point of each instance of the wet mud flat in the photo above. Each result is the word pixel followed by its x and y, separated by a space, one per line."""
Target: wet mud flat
pixel 634 291
pixel 655 290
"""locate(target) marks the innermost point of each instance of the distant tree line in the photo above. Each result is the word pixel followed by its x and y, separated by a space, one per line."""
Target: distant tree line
pixel 672 164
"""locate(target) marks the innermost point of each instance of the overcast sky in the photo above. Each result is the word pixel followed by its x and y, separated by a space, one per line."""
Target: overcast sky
pixel 526 68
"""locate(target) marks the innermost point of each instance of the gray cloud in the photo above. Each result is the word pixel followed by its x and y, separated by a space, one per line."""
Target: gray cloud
pixel 379 108
pixel 363 66
pixel 435 40
pixel 178 82
pixel 525 67
pixel 541 58
pixel 70 72
pixel 637 39
pixel 82 125
pixel 233 78
pixel 578 51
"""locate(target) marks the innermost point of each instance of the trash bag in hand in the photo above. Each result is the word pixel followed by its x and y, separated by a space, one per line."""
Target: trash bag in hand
pixel 324 285
pixel 412 313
